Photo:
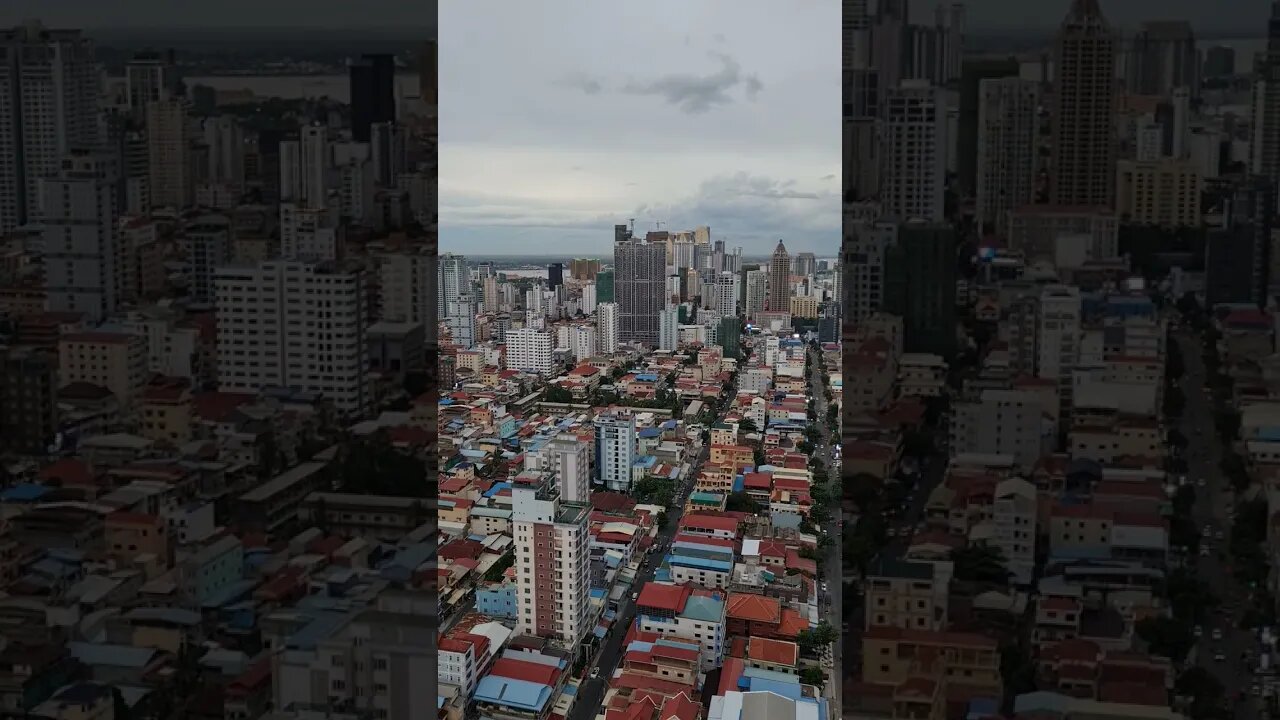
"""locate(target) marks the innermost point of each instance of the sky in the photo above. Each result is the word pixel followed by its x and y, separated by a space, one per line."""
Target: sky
pixel 570 116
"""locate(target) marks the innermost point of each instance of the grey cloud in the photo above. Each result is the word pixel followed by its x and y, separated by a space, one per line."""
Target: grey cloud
pixel 586 83
pixel 696 94
pixel 832 176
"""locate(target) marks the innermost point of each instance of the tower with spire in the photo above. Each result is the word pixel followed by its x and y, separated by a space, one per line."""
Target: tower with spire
pixel 1085 145
pixel 780 280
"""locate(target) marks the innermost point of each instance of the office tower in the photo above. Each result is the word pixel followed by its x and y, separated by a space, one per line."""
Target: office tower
pixel 373 94
pixel 48 110
pixel 207 242
pixel 1219 61
pixel 975 70
pixel 757 292
pixel 387 152
pixel 1163 57
pixel 151 76
pixel 529 350
pixel 779 280
pixel 305 163
pixel 604 286
pixel 1083 165
pixel 588 305
pixel 683 254
pixel 552 550
pixel 717 256
pixel 406 281
pixel 555 275
pixel 914 153
pixel 932 53
pixel 1006 162
pixel 1238 250
pixel 920 286
pixel 584 269
pixel 462 323
pixel 726 293
pixel 225 139
pixel 1058 336
pixel 80 228
pixel 621 233
pixel 615 450
pixel 454 280
pixel 1265 142
pixel 308 234
pixel 492 299
pixel 607 323
pixel 702 235
pixel 729 336
pixel 806 264
pixel 669 329
pixel 640 288
pixel 864 265
pixel 1164 193
pixel 169 154
pixel 260 311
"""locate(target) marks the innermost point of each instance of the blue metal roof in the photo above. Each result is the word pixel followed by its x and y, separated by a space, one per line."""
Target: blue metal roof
pixel 23 492
pixel 518 694
pixel 113 655
pixel 704 609
pixel 697 562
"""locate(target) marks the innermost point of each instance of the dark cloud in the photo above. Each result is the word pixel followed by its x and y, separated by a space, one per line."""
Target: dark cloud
pixel 585 83
pixel 696 94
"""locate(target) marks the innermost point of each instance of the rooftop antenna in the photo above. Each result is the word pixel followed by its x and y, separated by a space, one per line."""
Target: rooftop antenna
pixel 633 225
pixel 658 223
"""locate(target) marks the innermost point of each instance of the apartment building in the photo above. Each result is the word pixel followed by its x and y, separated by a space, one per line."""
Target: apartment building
pixel 115 361
pixel 551 541
pixel 911 595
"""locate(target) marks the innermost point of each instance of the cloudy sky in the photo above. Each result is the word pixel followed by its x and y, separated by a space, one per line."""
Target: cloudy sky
pixel 569 116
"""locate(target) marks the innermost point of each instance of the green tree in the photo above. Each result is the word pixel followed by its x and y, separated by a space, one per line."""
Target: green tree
pixel 1167 637
pixel 864 490
pixel 557 394
pixel 812 640
pixel 495 571
pixel 1189 597
pixel 979 563
pixel 1205 690
pixel 742 502
pixel 813 676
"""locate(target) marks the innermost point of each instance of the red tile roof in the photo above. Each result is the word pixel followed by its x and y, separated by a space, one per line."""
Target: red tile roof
pixel 753 608
pixel 777 652
pixel 523 670
pixel 664 597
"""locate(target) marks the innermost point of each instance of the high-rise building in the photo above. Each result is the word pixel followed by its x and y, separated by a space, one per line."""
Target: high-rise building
pixel 454 281
pixel 1007 149
pixel 974 71
pixel 779 280
pixel 552 551
pixel 757 292
pixel 573 467
pixel 1265 141
pixel 584 268
pixel 529 350
pixel 373 94
pixel 805 264
pixel 1058 336
pixel 914 153
pixel 28 400
pixel 726 293
pixel 615 450
pixel 169 154
pixel 920 286
pixel 48 109
pixel 225 141
pixel 1238 249
pixel 150 76
pixel 308 234
pixel 406 281
pixel 1162 57
pixel 555 275
pixel 669 329
pixel 604 286
pixel 640 288
pixel 1083 165
pixel 1219 61
pixel 305 166
pixel 729 336
pixel 261 308
pixel 1165 193
pixel 607 326
pixel 207 242
pixel 81 236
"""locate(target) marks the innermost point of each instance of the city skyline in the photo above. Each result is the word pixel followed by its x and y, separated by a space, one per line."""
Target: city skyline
pixel 555 139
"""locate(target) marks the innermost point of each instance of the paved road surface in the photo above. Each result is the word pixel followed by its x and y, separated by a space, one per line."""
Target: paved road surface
pixel 829 602
pixel 1214 503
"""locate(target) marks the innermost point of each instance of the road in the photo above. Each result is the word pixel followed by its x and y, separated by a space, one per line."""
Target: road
pixel 591 691
pixel 829 602
pixel 1213 508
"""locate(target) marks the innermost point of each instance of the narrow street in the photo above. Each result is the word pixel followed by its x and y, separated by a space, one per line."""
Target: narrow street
pixel 829 601
pixel 1213 508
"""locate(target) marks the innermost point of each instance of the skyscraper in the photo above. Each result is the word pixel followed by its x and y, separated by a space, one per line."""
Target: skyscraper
pixel 1163 57
pixel 1265 143
pixel 1007 136
pixel 640 278
pixel 81 228
pixel 305 163
pixel 864 263
pixel 669 329
pixel 1238 251
pixel 150 76
pixel 169 154
pixel 607 327
pixel 555 275
pixel 920 286
pixel 48 109
pixel 779 280
pixel 914 145
pixel 1083 166
pixel 757 292
pixel 604 286
pixel 373 94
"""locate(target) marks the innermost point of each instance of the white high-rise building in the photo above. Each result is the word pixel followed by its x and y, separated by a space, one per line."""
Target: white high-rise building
pixel 262 311
pixel 615 450
pixel 726 294
pixel 1058 335
pixel 588 298
pixel 462 323
pixel 573 467
pixel 206 241
pixel 81 233
pixel 492 297
pixel 669 329
pixel 1008 131
pixel 406 282
pixel 307 234
pixel 914 152
pixel 607 326
pixel 305 164
pixel 225 139
pixel 582 341
pixel 48 110
pixel 864 264
pixel 529 350
pixel 757 292
pixel 357 184
pixel 169 154
pixel 1001 422
pixel 552 543
pixel 533 302
pixel 149 76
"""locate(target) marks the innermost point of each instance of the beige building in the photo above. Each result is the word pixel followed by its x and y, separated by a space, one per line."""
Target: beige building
pixel 908 595
pixel 804 306
pixel 893 656
pixel 138 540
pixel 116 361
pixel 1161 192
pixel 165 412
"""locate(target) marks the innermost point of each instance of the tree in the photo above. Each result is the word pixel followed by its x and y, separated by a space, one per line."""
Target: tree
pixel 979 563
pixel 747 425
pixel 557 394
pixel 1205 690
pixel 863 489
pixel 1189 596
pixel 742 502
pixel 1167 637
pixel 813 676
pixel 662 521
pixel 495 571
pixel 812 639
